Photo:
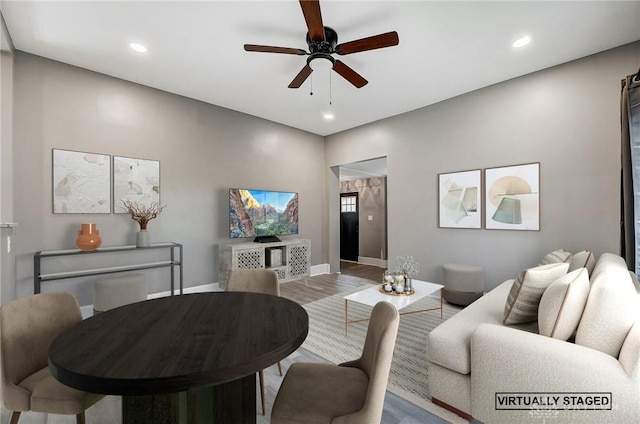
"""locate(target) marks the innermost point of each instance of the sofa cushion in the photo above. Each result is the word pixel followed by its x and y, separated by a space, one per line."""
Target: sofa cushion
pixel 557 256
pixel 630 353
pixel 562 304
pixel 610 312
pixel 527 289
pixel 448 344
pixel 607 261
pixel 583 259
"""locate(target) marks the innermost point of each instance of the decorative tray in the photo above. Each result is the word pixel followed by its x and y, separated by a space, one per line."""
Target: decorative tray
pixel 393 293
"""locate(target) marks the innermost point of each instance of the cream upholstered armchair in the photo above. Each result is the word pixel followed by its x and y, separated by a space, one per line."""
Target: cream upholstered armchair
pixel 28 326
pixel 256 281
pixel 349 393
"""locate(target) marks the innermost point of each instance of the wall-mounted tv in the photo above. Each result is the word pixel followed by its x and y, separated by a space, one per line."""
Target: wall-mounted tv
pixel 262 214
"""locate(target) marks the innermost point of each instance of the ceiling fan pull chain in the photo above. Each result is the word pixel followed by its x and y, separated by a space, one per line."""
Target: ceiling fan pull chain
pixel 330 92
pixel 311 92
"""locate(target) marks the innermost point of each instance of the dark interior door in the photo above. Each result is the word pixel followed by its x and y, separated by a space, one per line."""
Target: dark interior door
pixel 349 241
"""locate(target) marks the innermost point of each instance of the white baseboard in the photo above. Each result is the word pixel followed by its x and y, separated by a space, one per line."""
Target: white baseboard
pixel 382 263
pixel 320 269
pixel 87 310
pixel 195 289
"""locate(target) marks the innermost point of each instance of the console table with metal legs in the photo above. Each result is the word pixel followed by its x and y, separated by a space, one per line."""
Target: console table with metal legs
pixel 175 260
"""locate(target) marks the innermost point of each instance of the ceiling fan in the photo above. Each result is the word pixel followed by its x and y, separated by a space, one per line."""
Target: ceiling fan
pixel 323 42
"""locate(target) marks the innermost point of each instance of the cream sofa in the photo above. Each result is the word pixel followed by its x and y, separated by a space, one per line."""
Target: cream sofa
pixel 497 373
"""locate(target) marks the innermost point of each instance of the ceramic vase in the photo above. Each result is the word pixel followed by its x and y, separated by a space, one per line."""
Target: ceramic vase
pixel 143 239
pixel 88 237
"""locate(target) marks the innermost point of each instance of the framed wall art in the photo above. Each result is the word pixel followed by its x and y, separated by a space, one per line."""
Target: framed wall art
pixel 81 182
pixel 135 180
pixel 459 199
pixel 512 197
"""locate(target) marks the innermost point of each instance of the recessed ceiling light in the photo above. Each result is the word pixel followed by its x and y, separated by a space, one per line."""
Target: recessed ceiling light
pixel 138 47
pixel 522 41
pixel 328 116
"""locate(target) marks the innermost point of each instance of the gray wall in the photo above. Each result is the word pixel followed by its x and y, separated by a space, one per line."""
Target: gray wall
pixel 6 127
pixel 566 117
pixel 203 151
pixel 371 203
pixel 7 252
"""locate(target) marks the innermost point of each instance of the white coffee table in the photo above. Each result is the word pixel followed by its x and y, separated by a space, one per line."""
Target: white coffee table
pixel 373 295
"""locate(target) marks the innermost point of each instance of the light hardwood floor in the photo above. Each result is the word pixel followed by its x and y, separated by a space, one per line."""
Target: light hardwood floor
pixel 318 287
pixel 352 275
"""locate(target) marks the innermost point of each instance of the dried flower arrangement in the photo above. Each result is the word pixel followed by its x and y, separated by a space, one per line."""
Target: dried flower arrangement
pixel 142 214
pixel 408 265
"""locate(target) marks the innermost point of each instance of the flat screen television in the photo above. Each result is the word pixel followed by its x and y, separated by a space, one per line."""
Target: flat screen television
pixel 262 214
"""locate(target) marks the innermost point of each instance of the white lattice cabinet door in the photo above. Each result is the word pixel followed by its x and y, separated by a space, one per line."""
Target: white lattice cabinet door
pixel 290 259
pixel 248 259
pixel 299 260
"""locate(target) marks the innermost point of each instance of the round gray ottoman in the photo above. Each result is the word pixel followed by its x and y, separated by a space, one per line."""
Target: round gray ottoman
pixel 463 284
pixel 109 293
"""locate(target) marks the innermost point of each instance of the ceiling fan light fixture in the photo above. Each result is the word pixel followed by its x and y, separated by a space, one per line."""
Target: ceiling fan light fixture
pixel 321 62
pixel 328 116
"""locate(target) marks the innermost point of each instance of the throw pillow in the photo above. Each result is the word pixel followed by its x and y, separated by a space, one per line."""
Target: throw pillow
pixel 527 289
pixel 557 256
pixel 584 259
pixel 562 304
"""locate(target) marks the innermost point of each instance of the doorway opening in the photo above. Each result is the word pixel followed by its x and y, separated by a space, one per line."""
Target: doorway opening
pixel 363 213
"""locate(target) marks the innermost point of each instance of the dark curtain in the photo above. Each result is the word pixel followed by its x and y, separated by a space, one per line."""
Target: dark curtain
pixel 630 184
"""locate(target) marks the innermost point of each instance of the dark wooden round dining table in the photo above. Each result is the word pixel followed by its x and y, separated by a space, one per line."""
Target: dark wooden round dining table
pixel 181 359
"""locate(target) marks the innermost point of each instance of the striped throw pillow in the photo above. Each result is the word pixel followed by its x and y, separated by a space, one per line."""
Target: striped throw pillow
pixel 555 257
pixel 526 292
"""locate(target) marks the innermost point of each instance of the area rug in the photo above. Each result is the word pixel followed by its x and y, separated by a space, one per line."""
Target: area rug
pixel 409 367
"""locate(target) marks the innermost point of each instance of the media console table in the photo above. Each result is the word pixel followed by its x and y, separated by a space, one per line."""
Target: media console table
pixel 174 261
pixel 290 259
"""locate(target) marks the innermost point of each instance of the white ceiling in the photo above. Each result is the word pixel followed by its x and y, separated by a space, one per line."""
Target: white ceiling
pixel 196 48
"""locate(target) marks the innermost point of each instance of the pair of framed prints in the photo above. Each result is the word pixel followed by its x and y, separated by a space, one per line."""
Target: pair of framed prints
pixel 82 182
pixel 511 198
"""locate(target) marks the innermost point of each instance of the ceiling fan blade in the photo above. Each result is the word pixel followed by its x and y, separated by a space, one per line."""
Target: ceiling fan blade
pixel 379 41
pixel 301 77
pixel 272 49
pixel 349 74
pixel 313 17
